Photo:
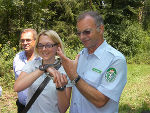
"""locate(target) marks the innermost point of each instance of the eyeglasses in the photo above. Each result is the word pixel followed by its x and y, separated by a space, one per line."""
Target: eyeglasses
pixel 85 32
pixel 48 45
pixel 26 40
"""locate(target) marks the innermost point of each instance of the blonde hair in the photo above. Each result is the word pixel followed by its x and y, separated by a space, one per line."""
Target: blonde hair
pixel 53 36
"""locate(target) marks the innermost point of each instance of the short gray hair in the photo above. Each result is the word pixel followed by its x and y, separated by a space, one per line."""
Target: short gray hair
pixel 95 15
pixel 33 31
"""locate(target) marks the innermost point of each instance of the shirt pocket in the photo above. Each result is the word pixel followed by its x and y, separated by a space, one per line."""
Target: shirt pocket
pixel 93 78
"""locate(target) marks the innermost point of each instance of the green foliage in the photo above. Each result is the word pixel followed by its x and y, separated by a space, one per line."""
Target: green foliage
pixel 132 39
pixel 122 27
pixel 146 15
pixel 124 24
pixel 142 58
pixel 145 44
pixel 128 38
pixel 6 70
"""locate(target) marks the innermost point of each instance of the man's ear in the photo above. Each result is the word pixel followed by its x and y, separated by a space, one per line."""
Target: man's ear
pixel 98 29
pixel 101 28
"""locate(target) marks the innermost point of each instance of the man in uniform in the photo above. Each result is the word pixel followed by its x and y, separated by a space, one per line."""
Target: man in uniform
pixel 99 72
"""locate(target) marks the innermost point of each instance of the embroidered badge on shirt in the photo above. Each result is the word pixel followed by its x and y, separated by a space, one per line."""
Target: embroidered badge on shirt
pixel 111 74
pixel 96 70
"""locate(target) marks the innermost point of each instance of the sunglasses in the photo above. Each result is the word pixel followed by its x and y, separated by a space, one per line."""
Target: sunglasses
pixel 48 45
pixel 85 32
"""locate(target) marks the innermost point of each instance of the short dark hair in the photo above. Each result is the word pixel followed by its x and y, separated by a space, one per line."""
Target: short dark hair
pixel 94 14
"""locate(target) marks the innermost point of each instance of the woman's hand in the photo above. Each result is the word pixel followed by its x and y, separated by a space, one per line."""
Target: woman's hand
pixel 59 79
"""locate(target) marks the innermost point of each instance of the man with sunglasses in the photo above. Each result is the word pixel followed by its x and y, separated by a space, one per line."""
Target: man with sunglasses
pixel 27 42
pixel 99 72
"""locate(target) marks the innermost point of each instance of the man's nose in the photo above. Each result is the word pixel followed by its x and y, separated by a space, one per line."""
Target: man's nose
pixel 25 42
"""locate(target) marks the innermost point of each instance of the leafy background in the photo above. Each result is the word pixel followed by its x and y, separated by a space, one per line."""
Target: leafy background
pixel 127 28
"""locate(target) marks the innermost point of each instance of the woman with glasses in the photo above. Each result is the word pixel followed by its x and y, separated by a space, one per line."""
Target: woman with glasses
pixel 55 98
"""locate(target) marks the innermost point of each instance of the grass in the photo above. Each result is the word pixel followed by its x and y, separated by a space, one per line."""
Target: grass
pixel 136 95
pixel 134 99
pixel 8 101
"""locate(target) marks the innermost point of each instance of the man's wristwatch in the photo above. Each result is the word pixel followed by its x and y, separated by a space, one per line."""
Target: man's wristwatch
pixel 75 80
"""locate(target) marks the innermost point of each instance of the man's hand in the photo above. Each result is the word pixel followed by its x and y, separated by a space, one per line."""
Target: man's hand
pixel 69 65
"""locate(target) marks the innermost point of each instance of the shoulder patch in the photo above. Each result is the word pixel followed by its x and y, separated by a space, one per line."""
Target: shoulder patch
pixel 110 75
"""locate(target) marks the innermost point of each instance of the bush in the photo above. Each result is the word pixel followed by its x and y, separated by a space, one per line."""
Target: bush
pixel 142 58
pixel 129 38
pixel 6 65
